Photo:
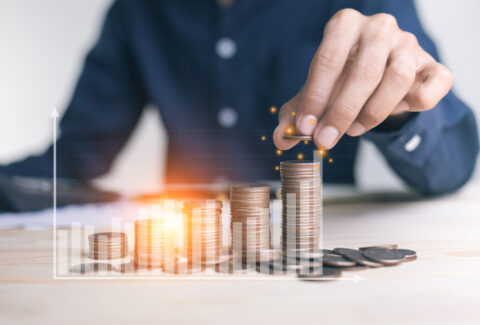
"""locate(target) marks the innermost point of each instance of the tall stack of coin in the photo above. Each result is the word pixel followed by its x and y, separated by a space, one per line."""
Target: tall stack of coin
pixel 107 245
pixel 250 223
pixel 153 242
pixel 301 206
pixel 202 225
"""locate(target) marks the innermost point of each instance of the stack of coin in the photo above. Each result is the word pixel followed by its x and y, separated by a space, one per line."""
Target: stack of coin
pixel 301 206
pixel 250 223
pixel 202 226
pixel 153 242
pixel 107 245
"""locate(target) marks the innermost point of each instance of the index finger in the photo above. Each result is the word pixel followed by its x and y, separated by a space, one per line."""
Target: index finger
pixel 340 36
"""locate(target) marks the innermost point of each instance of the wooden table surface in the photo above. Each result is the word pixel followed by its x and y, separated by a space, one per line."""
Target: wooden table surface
pixel 442 286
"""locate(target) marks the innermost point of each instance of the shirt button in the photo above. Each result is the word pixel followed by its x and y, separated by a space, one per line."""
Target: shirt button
pixel 413 143
pixel 227 117
pixel 226 48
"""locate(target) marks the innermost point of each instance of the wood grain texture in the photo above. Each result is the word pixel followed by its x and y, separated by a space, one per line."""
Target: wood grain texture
pixel 441 286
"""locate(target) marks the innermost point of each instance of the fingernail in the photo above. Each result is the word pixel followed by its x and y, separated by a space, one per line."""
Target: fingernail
pixel 355 129
pixel 308 124
pixel 326 137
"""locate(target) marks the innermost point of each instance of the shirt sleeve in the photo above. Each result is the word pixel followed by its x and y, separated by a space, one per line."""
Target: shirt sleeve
pixel 435 152
pixel 105 107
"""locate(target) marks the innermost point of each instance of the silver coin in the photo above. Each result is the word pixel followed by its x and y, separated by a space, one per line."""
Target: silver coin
pixel 389 246
pixel 408 253
pixel 357 257
pixel 336 260
pixel 384 255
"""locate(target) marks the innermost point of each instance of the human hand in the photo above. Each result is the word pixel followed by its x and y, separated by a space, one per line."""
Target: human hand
pixel 365 70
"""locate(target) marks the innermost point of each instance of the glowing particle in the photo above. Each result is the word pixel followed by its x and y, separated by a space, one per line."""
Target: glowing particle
pixel 305 141
pixel 311 121
pixel 330 160
pixel 293 113
pixel 273 109
pixel 290 130
pixel 321 153
pixel 279 152
pixel 277 168
pixel 263 138
pixel 300 156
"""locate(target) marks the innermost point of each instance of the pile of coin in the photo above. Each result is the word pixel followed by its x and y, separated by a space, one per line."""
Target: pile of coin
pixel 250 223
pixel 202 226
pixel 107 245
pixel 326 263
pixel 301 206
pixel 153 243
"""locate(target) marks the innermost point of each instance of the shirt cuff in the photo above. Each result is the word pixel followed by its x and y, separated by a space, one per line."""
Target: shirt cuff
pixel 413 142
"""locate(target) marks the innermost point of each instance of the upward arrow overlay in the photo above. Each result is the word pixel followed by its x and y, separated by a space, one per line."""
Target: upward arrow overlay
pixel 54 116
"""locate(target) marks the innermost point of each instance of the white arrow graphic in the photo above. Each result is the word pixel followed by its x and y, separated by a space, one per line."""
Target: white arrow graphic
pixel 54 116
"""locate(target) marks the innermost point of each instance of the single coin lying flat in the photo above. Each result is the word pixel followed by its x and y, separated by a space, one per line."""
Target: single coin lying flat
pixel 389 246
pixel 384 255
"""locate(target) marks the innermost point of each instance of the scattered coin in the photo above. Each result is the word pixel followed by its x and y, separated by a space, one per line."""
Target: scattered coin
pixel 384 255
pixel 389 246
pixel 337 260
pixel 356 256
pixel 408 253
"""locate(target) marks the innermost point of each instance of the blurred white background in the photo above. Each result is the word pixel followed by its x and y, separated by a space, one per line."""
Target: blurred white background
pixel 43 44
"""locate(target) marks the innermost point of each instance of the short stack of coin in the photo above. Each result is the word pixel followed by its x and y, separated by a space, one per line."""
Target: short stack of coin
pixel 301 206
pixel 202 226
pixel 107 245
pixel 250 223
pixel 153 243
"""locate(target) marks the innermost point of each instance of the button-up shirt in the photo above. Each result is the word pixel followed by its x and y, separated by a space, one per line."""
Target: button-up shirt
pixel 214 75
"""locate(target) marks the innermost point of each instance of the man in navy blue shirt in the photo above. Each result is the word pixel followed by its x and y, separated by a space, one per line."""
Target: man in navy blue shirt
pixel 214 69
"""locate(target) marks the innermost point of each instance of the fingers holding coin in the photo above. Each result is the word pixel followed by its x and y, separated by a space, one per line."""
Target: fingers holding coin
pixel 365 70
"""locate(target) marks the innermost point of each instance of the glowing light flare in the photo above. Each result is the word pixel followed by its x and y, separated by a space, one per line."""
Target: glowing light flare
pixel 290 130
pixel 300 156
pixel 263 138
pixel 330 160
pixel 273 109
pixel 305 142
pixel 277 168
pixel 322 153
pixel 279 152
pixel 293 113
